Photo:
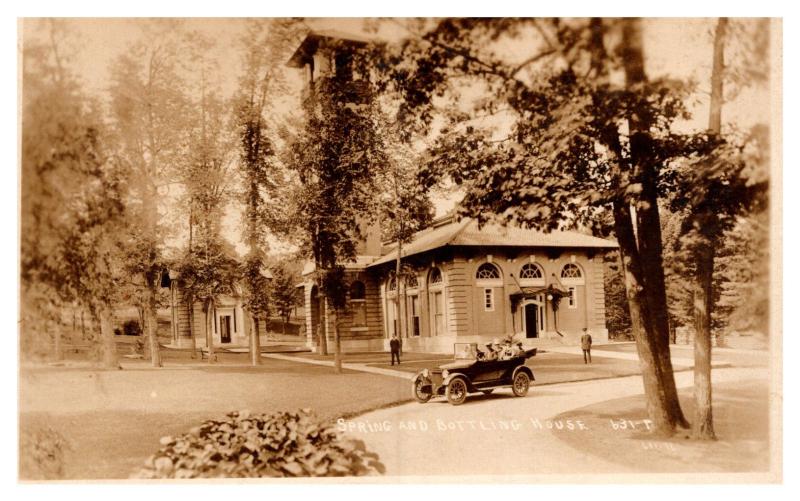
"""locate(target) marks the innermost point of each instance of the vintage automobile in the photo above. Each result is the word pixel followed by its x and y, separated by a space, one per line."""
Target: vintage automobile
pixel 471 372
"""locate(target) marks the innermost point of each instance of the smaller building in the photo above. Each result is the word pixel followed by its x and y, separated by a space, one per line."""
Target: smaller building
pixel 227 321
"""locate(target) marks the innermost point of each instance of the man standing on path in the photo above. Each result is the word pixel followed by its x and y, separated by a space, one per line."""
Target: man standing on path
pixel 394 345
pixel 586 346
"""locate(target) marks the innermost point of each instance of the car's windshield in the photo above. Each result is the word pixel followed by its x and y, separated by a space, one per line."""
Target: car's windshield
pixel 465 351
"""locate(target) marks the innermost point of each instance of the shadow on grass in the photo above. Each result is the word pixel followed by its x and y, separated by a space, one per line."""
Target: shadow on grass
pixel 619 433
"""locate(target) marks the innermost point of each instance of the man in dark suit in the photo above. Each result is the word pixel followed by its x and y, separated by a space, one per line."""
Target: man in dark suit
pixel 586 346
pixel 394 344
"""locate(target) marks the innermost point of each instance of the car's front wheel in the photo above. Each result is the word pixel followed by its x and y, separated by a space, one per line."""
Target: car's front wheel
pixel 521 384
pixel 456 391
pixel 421 389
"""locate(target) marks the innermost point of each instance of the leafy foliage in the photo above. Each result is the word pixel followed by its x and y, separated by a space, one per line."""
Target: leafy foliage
pixel 284 291
pixel 337 158
pixel 72 195
pixel 41 454
pixel 618 319
pixel 282 444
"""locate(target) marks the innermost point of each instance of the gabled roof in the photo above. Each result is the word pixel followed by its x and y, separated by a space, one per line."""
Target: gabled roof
pixel 465 233
pixel 311 42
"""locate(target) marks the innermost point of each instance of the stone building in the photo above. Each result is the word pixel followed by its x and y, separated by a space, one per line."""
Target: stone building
pixel 462 283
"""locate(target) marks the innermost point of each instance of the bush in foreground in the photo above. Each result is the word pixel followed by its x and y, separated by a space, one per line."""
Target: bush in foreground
pixel 41 454
pixel 282 444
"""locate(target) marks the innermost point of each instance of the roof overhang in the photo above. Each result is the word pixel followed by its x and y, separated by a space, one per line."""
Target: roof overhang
pixel 314 39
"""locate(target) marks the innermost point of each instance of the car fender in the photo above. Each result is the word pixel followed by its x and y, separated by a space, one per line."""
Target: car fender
pixel 525 369
pixel 451 377
pixel 421 375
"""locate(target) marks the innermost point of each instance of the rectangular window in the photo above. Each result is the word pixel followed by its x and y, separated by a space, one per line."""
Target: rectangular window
pixel 359 307
pixel 414 310
pixel 488 299
pixel 573 298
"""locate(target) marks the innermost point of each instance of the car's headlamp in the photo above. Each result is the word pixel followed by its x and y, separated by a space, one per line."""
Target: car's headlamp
pixel 445 373
pixel 426 373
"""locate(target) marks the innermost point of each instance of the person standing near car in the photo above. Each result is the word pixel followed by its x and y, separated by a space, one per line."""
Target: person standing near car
pixel 586 346
pixel 394 346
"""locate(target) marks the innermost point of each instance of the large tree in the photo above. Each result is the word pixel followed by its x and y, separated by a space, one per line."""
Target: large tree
pixel 337 156
pixel 72 191
pixel 580 139
pixel 205 171
pixel 711 193
pixel 149 112
pixel 264 51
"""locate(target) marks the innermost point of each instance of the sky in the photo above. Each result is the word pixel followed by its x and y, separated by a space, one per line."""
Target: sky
pixel 674 47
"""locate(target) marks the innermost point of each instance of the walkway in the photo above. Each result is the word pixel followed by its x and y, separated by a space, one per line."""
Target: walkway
pixel 503 436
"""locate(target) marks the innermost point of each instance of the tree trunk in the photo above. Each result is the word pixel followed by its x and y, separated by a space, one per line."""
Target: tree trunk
pixel 642 253
pixel 322 331
pixel 108 343
pixel 703 426
pixel 337 357
pixel 58 350
pixel 663 408
pixel 210 329
pixel 398 298
pixel 151 317
pixel 255 343
pixel 191 327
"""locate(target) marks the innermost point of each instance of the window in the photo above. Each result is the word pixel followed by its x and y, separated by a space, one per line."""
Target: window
pixel 435 277
pixel 530 271
pixel 413 309
pixel 392 285
pixel 488 299
pixel 358 303
pixel 571 271
pixel 412 282
pixel 571 274
pixel 531 274
pixel 487 271
pixel 357 290
pixel 573 298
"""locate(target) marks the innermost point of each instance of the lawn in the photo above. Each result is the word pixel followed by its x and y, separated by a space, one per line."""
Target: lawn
pixel 741 421
pixel 112 420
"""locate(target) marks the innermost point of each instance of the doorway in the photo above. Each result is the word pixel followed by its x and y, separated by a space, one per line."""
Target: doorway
pixel 225 328
pixel 531 320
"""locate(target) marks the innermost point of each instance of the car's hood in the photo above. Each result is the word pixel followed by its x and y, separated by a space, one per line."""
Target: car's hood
pixel 458 364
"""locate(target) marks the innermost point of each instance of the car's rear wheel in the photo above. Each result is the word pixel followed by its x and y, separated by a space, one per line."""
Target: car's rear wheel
pixel 456 391
pixel 521 384
pixel 419 389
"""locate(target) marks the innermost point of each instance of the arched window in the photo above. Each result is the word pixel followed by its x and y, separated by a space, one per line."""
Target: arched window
pixel 571 274
pixel 531 272
pixel 411 281
pixel 487 271
pixel 392 284
pixel 357 290
pixel 435 277
pixel 571 271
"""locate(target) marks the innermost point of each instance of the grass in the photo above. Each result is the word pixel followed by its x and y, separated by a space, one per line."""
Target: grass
pixel 741 421
pixel 112 420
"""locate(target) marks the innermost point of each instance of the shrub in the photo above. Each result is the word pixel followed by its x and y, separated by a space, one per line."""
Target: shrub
pixel 282 444
pixel 41 454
